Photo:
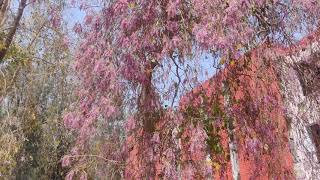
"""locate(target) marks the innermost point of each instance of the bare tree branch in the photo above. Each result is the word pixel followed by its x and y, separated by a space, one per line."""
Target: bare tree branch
pixel 179 80
pixel 12 31
pixel 4 5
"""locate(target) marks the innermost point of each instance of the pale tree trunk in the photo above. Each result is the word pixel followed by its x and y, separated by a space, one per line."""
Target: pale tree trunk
pixel 232 142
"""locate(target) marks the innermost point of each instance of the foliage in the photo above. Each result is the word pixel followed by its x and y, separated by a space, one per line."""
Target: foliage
pixel 252 116
pixel 129 47
pixel 117 116
pixel 35 88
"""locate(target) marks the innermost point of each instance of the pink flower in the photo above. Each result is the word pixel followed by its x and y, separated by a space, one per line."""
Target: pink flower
pixel 130 124
pixel 188 172
pixel 173 26
pixel 83 176
pixel 66 161
pixel 156 138
pixel 71 120
pixel 70 175
pixel 88 19
pixel 172 8
pixel 77 28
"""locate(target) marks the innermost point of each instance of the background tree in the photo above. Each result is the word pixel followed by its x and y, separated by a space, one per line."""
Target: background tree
pixel 35 87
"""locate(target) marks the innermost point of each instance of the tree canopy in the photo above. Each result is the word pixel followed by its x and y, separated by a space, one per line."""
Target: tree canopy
pixel 104 98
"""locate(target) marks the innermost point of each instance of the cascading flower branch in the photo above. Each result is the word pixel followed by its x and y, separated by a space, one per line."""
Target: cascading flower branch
pixel 128 41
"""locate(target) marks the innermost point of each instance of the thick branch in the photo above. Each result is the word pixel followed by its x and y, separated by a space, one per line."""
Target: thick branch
pixel 148 104
pixel 4 5
pixel 13 29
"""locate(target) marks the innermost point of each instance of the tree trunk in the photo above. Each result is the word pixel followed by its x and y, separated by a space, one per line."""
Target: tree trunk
pixel 232 142
pixel 8 39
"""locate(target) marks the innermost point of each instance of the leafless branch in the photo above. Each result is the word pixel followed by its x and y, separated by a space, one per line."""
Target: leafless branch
pixel 179 81
pixel 12 31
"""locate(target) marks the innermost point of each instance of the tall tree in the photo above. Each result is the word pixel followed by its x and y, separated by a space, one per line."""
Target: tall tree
pixel 35 88
pixel 129 46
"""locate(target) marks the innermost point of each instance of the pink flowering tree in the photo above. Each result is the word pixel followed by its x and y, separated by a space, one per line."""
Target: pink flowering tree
pixel 128 50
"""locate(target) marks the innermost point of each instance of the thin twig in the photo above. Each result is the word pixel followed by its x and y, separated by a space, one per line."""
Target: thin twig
pixel 94 156
pixel 179 81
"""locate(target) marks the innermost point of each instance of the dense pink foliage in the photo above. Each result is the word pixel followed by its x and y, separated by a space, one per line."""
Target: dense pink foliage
pixel 194 153
pixel 256 111
pixel 160 150
pixel 130 40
